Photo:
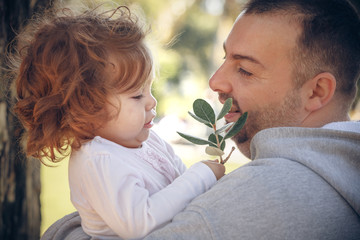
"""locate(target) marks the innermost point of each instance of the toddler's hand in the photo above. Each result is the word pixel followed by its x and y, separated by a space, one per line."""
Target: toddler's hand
pixel 217 168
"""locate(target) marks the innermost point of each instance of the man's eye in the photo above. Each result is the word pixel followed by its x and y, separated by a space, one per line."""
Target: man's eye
pixel 245 73
pixel 138 96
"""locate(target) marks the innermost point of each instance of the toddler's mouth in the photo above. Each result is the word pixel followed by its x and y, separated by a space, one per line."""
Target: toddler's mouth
pixel 149 124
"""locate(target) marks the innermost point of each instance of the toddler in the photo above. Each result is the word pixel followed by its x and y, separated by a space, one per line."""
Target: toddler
pixel 84 83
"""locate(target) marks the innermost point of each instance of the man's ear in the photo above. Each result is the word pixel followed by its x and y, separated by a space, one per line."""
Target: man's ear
pixel 319 91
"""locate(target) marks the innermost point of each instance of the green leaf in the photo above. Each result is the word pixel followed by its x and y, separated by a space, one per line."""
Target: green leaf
pixel 212 138
pixel 223 144
pixel 223 128
pixel 225 109
pixel 237 126
pixel 193 139
pixel 207 123
pixel 203 110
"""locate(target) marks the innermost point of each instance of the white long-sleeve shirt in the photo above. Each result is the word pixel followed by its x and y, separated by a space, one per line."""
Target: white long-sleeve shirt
pixel 126 192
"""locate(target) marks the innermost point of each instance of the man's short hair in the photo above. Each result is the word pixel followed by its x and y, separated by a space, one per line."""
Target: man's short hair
pixel 329 42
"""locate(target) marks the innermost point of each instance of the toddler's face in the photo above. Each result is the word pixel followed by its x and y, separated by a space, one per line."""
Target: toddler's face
pixel 131 126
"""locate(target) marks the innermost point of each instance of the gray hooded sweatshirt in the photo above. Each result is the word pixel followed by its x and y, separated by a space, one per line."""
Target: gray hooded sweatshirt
pixel 303 183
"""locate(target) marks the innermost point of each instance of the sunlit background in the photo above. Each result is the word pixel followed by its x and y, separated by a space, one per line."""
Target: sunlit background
pixel 186 39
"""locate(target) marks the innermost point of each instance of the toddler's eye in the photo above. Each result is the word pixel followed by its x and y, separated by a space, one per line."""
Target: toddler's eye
pixel 138 97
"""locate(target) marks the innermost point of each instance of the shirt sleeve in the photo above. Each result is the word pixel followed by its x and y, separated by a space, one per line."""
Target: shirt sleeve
pixel 177 162
pixel 119 196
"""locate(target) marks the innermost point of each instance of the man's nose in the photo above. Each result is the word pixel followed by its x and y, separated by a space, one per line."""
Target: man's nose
pixel 220 81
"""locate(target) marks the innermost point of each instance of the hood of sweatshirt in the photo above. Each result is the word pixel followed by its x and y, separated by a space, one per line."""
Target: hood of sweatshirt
pixel 333 152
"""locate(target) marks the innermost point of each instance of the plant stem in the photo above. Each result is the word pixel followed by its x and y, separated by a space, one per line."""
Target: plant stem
pixel 227 158
pixel 218 142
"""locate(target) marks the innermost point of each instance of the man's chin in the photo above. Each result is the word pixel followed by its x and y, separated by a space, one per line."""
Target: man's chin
pixel 241 137
pixel 243 143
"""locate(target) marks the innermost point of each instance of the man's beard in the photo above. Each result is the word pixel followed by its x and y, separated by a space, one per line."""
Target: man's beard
pixel 284 114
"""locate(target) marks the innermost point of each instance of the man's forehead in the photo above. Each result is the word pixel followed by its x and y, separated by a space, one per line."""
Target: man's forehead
pixel 260 39
pixel 263 25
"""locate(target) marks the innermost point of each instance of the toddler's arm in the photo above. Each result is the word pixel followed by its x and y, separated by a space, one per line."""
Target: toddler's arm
pixel 125 204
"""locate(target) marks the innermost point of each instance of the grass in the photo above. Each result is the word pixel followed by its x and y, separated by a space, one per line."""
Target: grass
pixel 55 195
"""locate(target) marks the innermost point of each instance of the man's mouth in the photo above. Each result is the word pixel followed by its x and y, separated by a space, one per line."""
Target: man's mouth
pixel 233 115
pixel 235 111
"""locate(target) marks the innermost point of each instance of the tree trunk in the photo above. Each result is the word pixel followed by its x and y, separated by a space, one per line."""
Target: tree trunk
pixel 19 176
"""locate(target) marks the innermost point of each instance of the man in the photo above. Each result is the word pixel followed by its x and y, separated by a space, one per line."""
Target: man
pixel 292 65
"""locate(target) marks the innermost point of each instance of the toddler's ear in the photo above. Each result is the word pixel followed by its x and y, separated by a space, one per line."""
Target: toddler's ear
pixel 319 91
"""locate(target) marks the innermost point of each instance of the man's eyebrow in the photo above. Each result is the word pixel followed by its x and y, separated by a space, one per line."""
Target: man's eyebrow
pixel 244 57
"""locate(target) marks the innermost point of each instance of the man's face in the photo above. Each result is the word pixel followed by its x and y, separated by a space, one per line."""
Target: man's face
pixel 257 74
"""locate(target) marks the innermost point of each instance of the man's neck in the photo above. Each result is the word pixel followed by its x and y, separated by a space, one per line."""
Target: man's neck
pixel 332 112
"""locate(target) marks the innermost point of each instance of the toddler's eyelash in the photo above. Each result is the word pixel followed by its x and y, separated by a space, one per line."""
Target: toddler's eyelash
pixel 138 96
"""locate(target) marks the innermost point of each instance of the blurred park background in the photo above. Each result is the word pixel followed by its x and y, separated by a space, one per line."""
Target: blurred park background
pixel 186 39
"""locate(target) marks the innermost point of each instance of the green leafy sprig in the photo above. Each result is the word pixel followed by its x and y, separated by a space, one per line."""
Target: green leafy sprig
pixel 205 114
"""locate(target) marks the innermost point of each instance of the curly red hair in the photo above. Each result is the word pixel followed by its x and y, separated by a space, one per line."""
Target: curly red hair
pixel 63 79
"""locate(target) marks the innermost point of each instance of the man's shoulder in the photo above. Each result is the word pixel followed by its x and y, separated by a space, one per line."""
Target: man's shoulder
pixel 278 194
pixel 261 178
pixel 347 126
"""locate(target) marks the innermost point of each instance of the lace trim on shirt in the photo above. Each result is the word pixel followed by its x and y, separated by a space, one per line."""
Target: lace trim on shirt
pixel 158 162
